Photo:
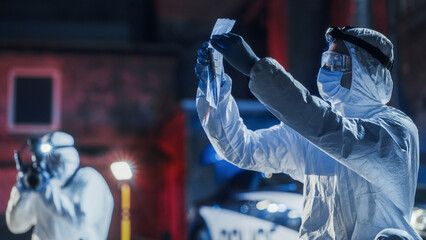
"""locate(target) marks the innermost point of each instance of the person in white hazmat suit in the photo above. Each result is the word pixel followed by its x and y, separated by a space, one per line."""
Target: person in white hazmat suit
pixel 75 203
pixel 357 158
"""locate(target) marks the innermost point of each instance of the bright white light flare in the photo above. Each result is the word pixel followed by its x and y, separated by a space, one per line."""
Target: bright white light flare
pixel 45 148
pixel 122 170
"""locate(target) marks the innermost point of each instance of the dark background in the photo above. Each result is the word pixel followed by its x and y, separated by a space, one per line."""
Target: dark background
pixel 126 82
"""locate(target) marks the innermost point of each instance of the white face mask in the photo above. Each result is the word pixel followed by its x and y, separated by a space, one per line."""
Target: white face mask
pixel 329 86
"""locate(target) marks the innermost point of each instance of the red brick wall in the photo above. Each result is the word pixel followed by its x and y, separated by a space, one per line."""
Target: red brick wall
pixel 115 105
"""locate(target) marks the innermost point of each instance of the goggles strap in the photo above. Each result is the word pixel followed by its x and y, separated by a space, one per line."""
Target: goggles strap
pixel 49 141
pixel 375 52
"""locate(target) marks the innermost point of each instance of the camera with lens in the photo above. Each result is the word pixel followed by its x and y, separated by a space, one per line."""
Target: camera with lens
pixel 34 175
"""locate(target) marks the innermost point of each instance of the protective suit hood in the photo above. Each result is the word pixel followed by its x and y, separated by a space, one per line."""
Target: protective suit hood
pixel 371 80
pixel 63 160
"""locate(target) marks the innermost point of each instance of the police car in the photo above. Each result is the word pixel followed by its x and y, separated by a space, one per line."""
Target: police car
pixel 254 206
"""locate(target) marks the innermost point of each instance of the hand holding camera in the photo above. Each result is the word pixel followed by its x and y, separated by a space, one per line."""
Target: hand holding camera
pixel 35 175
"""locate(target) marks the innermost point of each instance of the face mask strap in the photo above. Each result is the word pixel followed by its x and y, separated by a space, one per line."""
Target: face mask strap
pixel 337 33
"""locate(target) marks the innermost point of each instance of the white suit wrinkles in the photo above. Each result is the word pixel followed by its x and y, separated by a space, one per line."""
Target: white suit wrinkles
pixel 359 170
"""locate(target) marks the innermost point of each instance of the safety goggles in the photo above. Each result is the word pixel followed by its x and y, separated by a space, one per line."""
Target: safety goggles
pixel 334 33
pixel 334 61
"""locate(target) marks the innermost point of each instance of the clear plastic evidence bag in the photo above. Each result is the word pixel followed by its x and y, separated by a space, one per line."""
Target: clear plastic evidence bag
pixel 214 79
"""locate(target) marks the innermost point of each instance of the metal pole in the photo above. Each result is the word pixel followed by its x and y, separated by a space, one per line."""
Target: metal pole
pixel 393 36
pixel 363 14
pixel 125 211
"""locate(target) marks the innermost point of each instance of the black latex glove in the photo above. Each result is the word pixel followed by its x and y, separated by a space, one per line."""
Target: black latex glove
pixel 236 51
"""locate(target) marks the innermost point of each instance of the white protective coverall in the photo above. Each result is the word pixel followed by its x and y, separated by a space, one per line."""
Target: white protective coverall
pixel 357 157
pixel 74 205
